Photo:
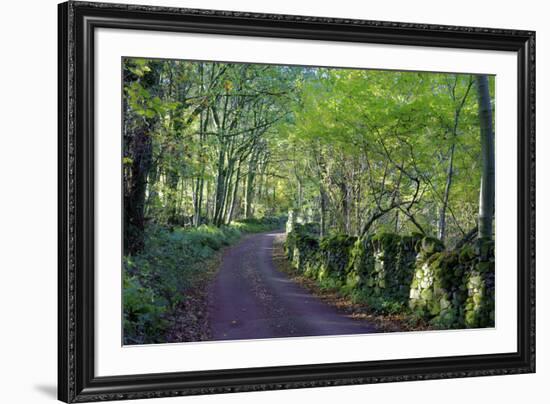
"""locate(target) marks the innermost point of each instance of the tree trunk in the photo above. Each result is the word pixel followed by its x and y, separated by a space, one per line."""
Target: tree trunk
pixel 487 190
pixel 250 177
pixel 347 208
pixel 228 190
pixel 172 180
pixel 248 195
pixel 300 196
pixel 138 147
pixel 134 198
pixel 220 191
pixel 323 210
pixel 358 218
pixel 442 227
pixel 396 228
pixel 152 179
pixel 200 181
pixel 234 194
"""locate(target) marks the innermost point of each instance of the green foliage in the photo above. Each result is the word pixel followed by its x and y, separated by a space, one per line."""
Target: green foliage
pixel 377 304
pixel 144 312
pixel 255 225
pixel 157 279
pixel 374 135
pixel 256 140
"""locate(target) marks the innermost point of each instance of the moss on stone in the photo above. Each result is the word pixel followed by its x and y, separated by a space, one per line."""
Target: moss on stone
pixel 459 280
pixel 451 289
pixel 385 265
pixel 432 245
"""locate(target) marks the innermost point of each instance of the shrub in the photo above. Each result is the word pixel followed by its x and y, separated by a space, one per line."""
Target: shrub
pixel 144 313
pixel 255 225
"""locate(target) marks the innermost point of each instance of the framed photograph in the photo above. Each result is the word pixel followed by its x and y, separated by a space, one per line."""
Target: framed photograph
pixel 252 202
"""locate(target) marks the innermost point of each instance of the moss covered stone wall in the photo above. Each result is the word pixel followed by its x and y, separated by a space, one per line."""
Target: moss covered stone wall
pixel 319 259
pixel 451 289
pixel 382 266
pixel 456 289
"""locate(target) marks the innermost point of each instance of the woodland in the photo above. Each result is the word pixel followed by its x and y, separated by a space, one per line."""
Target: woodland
pixel 214 150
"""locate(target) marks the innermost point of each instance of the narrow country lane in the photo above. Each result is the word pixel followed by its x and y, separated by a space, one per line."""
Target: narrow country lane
pixel 251 299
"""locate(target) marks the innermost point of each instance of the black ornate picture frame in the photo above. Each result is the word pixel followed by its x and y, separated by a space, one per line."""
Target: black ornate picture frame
pixel 78 21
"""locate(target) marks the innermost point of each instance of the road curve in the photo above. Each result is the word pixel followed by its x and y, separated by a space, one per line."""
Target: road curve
pixel 251 299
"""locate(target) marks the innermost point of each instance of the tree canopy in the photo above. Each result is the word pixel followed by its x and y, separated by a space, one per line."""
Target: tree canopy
pixel 356 150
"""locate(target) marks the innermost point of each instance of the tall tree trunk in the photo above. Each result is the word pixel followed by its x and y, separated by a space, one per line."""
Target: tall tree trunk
pixel 442 226
pixel 207 197
pixel 138 147
pixel 248 195
pixel 220 190
pixel 358 216
pixel 250 177
pixel 262 182
pixel 134 198
pixel 203 123
pixel 228 191
pixel 172 180
pixel 487 190
pixel 396 228
pixel 300 196
pixel 343 221
pixel 152 193
pixel 198 203
pixel 222 172
pixel 323 209
pixel 196 199
pixel 234 195
pixel 347 209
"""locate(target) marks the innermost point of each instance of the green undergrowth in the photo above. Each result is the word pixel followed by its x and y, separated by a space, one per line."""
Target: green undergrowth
pixel 254 225
pixel 172 263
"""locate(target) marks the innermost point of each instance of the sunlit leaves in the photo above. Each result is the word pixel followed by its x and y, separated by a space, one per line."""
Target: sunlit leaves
pixel 395 123
pixel 378 138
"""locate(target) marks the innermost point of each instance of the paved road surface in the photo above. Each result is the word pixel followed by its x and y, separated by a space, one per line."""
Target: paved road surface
pixel 251 299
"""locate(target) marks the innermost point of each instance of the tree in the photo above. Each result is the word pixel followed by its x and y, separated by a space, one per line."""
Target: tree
pixel 487 187
pixel 141 120
pixel 358 151
pixel 458 103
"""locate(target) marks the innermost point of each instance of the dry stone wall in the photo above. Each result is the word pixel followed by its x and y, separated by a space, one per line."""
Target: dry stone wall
pixel 394 273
